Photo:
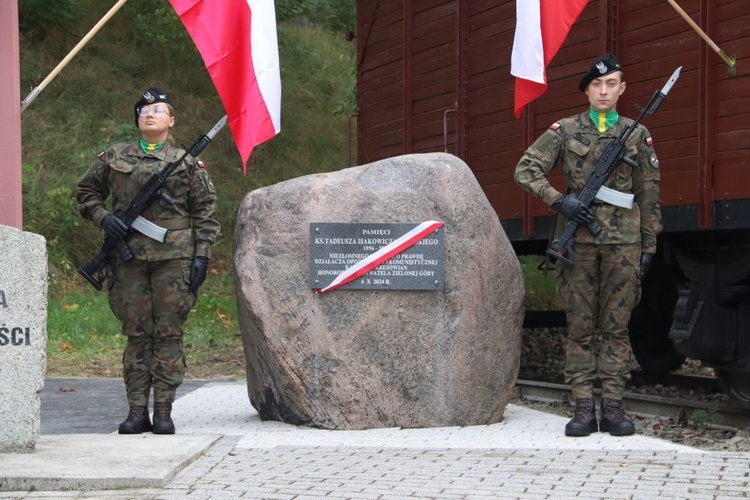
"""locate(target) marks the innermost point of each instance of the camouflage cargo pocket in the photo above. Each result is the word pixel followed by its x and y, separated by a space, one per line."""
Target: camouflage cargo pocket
pixel 562 287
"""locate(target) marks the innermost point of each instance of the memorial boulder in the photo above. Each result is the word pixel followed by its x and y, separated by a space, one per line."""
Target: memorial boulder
pixel 368 358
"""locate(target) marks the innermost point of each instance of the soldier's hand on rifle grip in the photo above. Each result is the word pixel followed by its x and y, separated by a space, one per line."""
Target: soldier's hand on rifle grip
pixel 572 209
pixel 114 226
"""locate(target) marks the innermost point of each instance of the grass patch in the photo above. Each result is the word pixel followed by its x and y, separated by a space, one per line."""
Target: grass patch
pixel 212 339
pixel 540 289
pixel 84 337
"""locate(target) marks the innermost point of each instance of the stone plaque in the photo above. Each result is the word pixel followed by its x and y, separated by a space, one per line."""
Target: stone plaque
pixel 335 247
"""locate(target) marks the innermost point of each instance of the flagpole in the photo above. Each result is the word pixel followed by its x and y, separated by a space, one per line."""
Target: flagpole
pixel 731 61
pixel 32 95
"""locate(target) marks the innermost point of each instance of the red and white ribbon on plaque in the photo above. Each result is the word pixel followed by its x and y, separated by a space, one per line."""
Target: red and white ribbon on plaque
pixel 395 247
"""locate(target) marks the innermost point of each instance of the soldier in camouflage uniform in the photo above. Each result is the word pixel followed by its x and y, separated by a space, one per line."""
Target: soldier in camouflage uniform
pixel 599 292
pixel 153 293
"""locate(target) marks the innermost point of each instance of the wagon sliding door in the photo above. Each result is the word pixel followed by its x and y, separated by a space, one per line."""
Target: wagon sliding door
pixel 408 78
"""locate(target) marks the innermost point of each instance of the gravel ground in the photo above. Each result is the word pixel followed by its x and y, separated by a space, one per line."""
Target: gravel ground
pixel 543 359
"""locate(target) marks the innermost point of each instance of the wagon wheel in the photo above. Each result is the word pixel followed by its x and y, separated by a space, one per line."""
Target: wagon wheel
pixel 651 320
pixel 736 385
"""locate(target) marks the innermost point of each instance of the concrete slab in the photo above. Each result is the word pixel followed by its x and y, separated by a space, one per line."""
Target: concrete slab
pixel 521 428
pixel 85 462
pixel 224 408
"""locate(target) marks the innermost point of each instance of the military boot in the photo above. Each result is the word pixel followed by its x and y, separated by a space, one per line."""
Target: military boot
pixel 137 421
pixel 163 418
pixel 583 422
pixel 614 419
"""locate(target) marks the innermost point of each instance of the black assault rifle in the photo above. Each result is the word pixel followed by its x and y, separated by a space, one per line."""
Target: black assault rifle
pixel 562 247
pixel 153 189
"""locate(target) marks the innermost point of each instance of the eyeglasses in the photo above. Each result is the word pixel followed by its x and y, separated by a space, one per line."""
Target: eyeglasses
pixel 155 110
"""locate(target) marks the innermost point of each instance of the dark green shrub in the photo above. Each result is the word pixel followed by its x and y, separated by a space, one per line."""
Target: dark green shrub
pixel 36 16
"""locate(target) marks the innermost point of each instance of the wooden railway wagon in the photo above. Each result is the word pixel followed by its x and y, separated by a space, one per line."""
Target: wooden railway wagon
pixel 434 75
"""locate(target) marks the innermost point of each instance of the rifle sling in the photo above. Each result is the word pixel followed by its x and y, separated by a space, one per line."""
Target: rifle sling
pixel 173 224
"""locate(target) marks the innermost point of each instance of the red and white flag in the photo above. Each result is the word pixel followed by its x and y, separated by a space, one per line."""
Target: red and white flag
pixel 237 41
pixel 541 29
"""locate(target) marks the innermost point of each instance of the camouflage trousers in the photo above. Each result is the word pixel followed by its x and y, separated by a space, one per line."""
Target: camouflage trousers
pixel 598 295
pixel 152 300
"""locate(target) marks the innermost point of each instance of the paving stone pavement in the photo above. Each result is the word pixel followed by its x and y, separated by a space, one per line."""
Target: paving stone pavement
pixel 524 456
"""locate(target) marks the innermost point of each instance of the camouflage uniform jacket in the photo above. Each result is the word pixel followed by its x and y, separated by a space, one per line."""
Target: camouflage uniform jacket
pixel 121 170
pixel 576 144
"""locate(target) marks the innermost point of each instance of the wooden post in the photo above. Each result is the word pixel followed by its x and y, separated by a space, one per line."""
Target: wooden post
pixel 11 212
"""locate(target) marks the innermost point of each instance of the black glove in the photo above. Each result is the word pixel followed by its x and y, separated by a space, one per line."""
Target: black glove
pixel 198 273
pixel 572 209
pixel 646 260
pixel 114 226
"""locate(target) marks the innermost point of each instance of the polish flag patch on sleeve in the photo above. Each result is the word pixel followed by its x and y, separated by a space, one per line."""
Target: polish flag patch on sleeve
pixel 555 126
pixel 201 164
pixel 649 141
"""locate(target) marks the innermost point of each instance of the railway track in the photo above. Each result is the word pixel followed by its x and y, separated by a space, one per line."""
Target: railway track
pixel 722 415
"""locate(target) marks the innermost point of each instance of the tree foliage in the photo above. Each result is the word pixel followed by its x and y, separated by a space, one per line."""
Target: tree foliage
pixel 289 9
pixel 335 15
pixel 157 23
pixel 36 16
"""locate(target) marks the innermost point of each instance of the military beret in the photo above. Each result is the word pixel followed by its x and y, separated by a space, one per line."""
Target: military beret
pixel 150 96
pixel 605 65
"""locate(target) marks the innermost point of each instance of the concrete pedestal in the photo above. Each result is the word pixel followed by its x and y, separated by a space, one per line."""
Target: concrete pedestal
pixel 23 337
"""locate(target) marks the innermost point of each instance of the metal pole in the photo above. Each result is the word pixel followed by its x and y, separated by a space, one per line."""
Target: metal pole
pixel 731 61
pixel 32 95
